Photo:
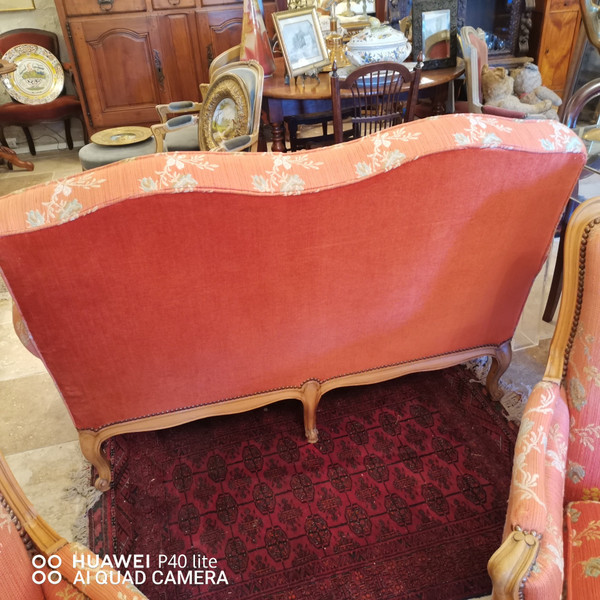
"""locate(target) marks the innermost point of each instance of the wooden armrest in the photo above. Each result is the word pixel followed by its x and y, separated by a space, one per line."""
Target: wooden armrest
pixel 511 564
pixel 46 540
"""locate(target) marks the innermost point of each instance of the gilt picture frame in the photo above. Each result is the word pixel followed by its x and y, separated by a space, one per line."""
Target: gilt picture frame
pixel 301 40
pixel 12 5
pixel 434 32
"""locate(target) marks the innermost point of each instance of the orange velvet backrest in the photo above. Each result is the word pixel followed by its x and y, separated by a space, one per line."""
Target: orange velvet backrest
pixel 176 280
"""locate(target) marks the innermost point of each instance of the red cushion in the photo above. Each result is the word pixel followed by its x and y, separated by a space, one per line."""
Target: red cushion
pixel 582 549
pixel 15 113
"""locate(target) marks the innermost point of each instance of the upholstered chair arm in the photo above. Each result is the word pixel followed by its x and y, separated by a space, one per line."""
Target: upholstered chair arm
pixel 534 517
pixel 22 331
pixel 236 144
pixel 177 108
pixel 160 130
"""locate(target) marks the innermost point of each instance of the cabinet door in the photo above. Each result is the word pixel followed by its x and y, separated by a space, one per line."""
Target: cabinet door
pixel 120 66
pixel 180 65
pixel 558 38
pixel 218 31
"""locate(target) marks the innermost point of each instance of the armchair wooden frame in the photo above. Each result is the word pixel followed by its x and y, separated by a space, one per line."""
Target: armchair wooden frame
pixel 510 566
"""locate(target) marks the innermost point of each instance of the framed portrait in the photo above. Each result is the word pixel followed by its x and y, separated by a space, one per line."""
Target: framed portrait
pixel 302 43
pixel 10 5
pixel 434 32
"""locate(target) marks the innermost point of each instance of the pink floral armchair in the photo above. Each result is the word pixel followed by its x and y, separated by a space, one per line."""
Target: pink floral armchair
pixel 552 532
pixel 37 564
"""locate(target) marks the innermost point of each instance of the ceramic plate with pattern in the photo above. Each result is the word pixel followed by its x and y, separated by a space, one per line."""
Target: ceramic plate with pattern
pixel 38 78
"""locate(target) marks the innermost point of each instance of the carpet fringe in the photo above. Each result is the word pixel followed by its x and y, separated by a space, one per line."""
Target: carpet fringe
pixel 80 490
pixel 514 396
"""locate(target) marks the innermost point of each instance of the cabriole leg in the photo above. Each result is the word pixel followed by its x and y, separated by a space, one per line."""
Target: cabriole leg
pixel 91 447
pixel 500 363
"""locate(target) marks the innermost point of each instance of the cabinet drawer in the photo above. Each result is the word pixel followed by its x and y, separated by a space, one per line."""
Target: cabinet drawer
pixel 563 5
pixel 75 8
pixel 166 4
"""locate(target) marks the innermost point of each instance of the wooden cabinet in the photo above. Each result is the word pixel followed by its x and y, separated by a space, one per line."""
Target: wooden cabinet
pixel 130 55
pixel 558 25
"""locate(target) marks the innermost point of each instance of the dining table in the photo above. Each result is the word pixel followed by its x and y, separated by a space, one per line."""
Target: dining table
pixel 286 96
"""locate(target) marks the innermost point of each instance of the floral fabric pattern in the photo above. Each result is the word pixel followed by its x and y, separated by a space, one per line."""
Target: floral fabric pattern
pixel 582 549
pixel 273 173
pixel 583 387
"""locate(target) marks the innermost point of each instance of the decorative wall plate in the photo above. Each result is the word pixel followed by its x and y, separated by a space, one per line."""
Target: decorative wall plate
pixel 38 78
pixel 225 112
pixel 121 136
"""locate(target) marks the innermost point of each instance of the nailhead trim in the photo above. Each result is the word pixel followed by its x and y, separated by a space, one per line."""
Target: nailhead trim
pixel 580 284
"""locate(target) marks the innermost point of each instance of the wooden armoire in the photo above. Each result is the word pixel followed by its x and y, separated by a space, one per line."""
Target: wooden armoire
pixel 130 55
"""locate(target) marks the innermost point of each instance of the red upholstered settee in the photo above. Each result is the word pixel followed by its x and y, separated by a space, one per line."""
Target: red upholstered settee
pixel 178 286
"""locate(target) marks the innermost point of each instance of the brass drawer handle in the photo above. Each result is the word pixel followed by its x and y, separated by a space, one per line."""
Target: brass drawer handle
pixel 105 5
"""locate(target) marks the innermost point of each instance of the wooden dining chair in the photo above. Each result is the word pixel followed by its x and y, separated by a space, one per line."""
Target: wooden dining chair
pixel 383 94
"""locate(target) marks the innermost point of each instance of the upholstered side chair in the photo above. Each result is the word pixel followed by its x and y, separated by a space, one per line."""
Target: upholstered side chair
pixel 25 535
pixel 63 108
pixel 475 54
pixel 552 532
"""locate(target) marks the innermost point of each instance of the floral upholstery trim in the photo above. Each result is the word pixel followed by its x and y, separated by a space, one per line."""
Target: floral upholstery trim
pixel 274 173
pixel 582 549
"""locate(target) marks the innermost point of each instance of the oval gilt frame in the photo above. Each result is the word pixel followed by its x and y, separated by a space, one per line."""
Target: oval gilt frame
pixel 225 112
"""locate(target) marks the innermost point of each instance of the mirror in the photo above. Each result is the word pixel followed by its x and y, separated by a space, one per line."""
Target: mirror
pixel 434 32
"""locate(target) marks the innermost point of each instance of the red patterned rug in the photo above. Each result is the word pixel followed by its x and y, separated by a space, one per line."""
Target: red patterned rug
pixel 403 497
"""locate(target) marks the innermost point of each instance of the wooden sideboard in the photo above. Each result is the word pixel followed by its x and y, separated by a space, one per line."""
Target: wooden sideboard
pixel 131 55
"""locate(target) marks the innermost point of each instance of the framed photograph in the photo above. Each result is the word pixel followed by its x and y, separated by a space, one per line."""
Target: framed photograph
pixel 9 5
pixel 434 32
pixel 302 43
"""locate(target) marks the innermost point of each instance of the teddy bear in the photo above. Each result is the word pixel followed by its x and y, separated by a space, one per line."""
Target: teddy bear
pixel 529 88
pixel 498 90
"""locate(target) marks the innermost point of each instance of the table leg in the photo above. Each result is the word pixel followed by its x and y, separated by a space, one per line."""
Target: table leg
pixel 10 156
pixel 278 132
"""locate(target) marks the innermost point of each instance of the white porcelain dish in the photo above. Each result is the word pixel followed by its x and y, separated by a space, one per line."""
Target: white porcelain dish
pixel 377 44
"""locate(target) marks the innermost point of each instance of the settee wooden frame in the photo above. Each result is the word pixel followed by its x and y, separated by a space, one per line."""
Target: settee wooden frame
pixel 309 394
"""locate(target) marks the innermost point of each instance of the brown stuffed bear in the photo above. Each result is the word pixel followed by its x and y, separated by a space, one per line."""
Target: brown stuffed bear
pixel 529 88
pixel 498 87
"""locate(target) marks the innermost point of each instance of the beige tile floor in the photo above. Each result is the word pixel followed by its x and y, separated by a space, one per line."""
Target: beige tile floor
pixel 36 433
